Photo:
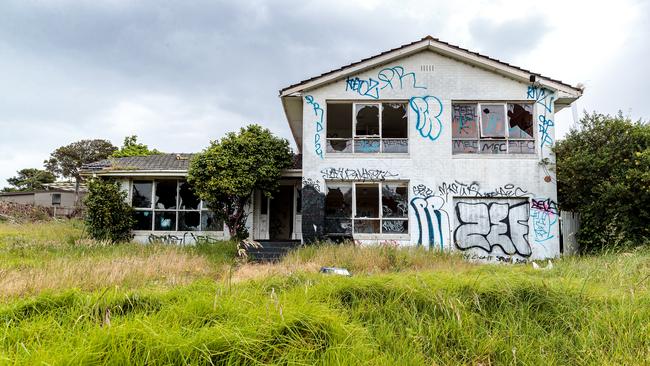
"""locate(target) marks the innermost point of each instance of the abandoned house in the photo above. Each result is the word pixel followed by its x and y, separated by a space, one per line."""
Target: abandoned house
pixel 426 144
pixel 57 197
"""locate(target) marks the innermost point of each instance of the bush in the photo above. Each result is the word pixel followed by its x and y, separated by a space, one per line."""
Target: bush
pixel 603 173
pixel 108 216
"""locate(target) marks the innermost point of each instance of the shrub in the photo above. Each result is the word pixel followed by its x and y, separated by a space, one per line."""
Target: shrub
pixel 108 216
pixel 603 171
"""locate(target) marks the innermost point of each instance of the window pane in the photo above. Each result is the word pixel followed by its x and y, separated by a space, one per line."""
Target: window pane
pixel 366 146
pixel 394 120
pixel 188 201
pixel 165 220
pixel 367 116
pixel 366 226
pixel 338 202
pixel 338 226
pixel 493 147
pixel 339 120
pixel 521 147
pixel 142 194
pixel 165 194
pixel 189 221
pixel 209 222
pixel 394 226
pixel 394 200
pixel 56 198
pixel 338 145
pixel 464 123
pixel 464 146
pixel 142 220
pixel 367 200
pixel 520 117
pixel 493 120
pixel 395 145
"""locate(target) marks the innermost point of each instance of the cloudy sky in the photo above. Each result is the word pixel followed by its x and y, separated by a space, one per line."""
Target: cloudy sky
pixel 180 73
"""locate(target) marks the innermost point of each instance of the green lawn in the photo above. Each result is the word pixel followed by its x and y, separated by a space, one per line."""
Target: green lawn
pixel 69 300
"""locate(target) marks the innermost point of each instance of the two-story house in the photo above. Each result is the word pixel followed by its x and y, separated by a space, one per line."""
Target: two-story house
pixel 426 144
pixel 430 144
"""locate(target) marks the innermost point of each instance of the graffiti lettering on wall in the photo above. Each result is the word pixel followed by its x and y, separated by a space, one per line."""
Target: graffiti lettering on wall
pixel 493 258
pixel 389 77
pixel 432 219
pixel 427 110
pixel 368 146
pixel 544 213
pixel 488 225
pixel 357 174
pixel 308 182
pixel 187 238
pixel 473 189
pixel 544 98
pixel 318 111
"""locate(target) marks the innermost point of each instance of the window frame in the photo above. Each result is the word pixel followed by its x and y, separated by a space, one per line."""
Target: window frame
pixel 379 137
pixel 507 139
pixel 380 218
pixel 202 208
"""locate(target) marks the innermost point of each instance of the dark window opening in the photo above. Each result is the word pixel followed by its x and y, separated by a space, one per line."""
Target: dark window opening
pixel 143 220
pixel 56 199
pixel 367 120
pixel 141 196
pixel 188 200
pixel 394 121
pixel 166 194
pixel 165 220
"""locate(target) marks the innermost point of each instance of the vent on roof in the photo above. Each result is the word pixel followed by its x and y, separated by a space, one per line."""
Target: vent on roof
pixel 426 68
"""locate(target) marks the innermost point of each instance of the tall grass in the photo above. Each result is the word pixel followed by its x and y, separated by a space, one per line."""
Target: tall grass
pixel 406 307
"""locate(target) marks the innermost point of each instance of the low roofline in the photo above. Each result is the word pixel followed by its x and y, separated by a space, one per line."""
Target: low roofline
pixel 438 46
pixel 163 173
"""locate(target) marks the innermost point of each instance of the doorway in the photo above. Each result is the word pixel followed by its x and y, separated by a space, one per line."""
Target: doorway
pixel 281 214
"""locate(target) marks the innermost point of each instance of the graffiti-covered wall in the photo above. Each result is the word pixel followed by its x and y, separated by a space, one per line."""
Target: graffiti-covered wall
pixel 466 174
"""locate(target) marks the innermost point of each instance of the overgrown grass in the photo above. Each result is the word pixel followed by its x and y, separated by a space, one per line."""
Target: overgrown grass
pixel 404 307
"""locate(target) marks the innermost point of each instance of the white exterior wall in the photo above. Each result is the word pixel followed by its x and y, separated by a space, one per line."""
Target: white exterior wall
pixel 431 163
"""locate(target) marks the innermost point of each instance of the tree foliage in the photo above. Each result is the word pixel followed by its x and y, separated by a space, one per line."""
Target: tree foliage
pixel 603 170
pixel 108 215
pixel 67 160
pixel 30 179
pixel 131 147
pixel 226 174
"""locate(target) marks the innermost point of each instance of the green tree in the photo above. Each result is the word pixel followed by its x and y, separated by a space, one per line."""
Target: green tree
pixel 67 160
pixel 131 147
pixel 226 174
pixel 30 179
pixel 108 216
pixel 603 170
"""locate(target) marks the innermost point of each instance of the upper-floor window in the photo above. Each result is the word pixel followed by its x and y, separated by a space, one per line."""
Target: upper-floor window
pixel 170 205
pixel 367 127
pixel 492 128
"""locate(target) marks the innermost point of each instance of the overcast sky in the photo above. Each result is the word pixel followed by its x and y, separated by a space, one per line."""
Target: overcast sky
pixel 181 73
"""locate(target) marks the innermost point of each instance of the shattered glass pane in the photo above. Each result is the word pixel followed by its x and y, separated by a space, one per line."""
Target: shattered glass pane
pixel 493 120
pixel 394 226
pixel 338 201
pixel 367 118
pixel 188 201
pixel 366 226
pixel 165 194
pixel 339 146
pixel 394 120
pixel 367 200
pixel 189 221
pixel 520 117
pixel 338 226
pixel 165 220
pixel 209 222
pixel 142 194
pixel 464 123
pixel 394 199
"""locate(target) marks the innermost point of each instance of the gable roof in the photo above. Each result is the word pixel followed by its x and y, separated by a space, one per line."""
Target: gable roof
pixel 438 46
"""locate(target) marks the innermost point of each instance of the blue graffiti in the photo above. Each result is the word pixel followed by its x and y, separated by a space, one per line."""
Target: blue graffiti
pixel 318 112
pixel 367 146
pixel 389 77
pixel 428 110
pixel 545 99
pixel 431 220
pixel 544 213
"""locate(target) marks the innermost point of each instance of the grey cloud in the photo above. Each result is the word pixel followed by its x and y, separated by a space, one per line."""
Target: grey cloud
pixel 507 40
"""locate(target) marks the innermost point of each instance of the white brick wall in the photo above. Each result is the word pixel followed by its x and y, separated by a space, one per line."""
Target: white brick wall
pixel 431 163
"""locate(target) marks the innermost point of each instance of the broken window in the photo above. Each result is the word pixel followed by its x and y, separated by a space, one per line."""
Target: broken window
pixel 174 207
pixel 485 132
pixel 338 209
pixel 339 127
pixel 380 207
pixel 367 127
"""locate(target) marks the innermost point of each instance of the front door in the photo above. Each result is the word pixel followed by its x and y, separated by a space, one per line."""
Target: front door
pixel 281 214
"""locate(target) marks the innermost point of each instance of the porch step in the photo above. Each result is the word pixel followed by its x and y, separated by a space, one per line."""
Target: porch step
pixel 271 251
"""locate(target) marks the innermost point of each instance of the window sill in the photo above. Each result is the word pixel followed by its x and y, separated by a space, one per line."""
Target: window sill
pixel 367 155
pixel 495 156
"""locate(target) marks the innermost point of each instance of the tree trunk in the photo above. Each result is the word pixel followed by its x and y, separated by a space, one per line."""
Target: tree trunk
pixel 76 192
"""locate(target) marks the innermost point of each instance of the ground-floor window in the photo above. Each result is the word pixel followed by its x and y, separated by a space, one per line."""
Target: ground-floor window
pixel 170 205
pixel 366 208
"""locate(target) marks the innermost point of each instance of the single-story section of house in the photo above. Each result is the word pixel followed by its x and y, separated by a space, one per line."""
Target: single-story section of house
pixel 59 197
